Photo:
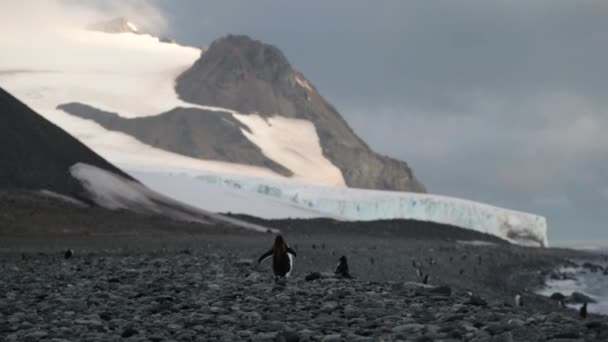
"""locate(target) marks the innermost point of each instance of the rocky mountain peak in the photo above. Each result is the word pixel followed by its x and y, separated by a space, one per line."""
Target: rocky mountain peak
pixel 249 76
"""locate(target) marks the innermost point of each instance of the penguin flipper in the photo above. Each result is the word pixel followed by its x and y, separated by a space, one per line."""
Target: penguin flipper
pixel 264 256
pixel 291 251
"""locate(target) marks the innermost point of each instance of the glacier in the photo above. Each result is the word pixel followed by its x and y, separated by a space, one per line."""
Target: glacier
pixel 276 198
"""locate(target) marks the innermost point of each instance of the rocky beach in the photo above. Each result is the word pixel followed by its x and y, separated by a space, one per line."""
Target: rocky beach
pixel 208 287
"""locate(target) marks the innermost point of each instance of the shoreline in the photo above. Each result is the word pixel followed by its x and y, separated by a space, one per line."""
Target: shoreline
pixel 208 286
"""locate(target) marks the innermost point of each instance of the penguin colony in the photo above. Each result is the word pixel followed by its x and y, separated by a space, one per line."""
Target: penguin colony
pixel 282 266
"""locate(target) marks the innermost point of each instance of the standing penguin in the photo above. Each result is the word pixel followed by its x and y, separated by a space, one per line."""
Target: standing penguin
pixel 342 268
pixel 68 254
pixel 518 300
pixel 583 311
pixel 282 258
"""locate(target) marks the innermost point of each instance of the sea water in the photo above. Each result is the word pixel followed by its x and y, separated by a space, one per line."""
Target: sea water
pixel 592 284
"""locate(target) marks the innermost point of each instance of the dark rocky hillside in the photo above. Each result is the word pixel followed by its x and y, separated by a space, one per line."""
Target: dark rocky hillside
pixel 35 154
pixel 193 132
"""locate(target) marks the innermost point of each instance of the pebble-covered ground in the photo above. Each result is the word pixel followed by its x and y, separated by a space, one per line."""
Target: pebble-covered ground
pixel 210 289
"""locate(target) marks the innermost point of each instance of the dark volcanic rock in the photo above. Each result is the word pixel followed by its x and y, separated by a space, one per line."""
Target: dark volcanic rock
pixel 35 154
pixel 193 132
pixel 445 291
pixel 243 74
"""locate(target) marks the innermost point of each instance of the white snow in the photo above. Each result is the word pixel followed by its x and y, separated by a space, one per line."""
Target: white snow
pixel 132 26
pixel 275 198
pixel 294 144
pixel 128 73
pixel 134 75
pixel 189 189
pixel 65 198
pixel 113 191
pixel 303 83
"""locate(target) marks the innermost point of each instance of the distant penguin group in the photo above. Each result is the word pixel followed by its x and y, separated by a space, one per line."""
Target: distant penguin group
pixel 282 258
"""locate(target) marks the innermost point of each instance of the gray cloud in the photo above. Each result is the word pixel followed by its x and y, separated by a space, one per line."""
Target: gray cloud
pixel 498 101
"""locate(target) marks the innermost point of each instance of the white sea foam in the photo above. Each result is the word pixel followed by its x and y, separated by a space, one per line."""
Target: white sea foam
pixel 594 285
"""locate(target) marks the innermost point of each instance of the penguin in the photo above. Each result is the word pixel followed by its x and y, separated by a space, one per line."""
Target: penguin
pixel 475 300
pixel 425 280
pixel 451 259
pixel 342 268
pixel 519 300
pixel 282 258
pixel 583 311
pixel 68 254
pixel 559 298
pixel 461 272
pixel 419 273
pixel 479 259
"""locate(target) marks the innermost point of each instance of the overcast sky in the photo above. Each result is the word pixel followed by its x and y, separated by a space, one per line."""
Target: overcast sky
pixel 498 101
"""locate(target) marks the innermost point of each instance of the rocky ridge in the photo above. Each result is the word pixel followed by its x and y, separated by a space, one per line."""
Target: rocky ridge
pixel 246 75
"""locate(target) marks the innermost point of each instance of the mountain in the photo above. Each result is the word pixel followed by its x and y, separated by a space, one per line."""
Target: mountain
pixel 38 156
pixel 249 135
pixel 193 132
pixel 239 91
pixel 248 76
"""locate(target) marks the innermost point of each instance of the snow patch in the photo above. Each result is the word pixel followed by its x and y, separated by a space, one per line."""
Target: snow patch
pixel 62 197
pixel 303 83
pixel 293 143
pixel 477 243
pixel 132 26
pixel 113 191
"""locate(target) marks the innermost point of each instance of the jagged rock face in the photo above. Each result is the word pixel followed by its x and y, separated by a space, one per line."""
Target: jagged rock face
pixel 192 132
pixel 35 154
pixel 248 76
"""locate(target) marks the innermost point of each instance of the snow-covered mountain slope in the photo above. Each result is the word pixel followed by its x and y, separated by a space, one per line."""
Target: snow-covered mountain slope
pixel 36 155
pixel 252 77
pixel 136 79
pixel 273 199
pixel 133 75
pixel 112 191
